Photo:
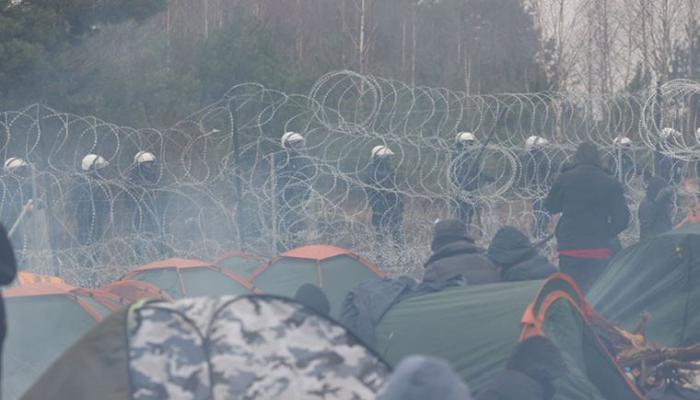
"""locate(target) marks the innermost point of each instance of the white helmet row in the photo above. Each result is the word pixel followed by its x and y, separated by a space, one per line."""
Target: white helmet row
pixel 535 141
pixel 93 161
pixel 465 137
pixel 291 138
pixel 381 152
pixel 144 157
pixel 622 141
pixel 13 163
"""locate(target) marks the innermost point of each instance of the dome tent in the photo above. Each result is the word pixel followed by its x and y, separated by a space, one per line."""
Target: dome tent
pixel 43 320
pixel 253 346
pixel 190 278
pixel 334 269
pixel 241 264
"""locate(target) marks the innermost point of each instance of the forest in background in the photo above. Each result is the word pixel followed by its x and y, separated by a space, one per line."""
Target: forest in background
pixel 149 63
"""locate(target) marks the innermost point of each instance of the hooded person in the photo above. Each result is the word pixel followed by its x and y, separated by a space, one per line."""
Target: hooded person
pixel 146 184
pixel 16 192
pixel 314 298
pixel 594 211
pixel 530 373
pixel 383 195
pixel 424 378
pixel 455 255
pixel 518 259
pixel 655 209
pixel 294 172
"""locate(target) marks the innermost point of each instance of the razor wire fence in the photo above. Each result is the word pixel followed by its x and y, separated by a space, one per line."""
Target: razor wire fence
pixel 216 185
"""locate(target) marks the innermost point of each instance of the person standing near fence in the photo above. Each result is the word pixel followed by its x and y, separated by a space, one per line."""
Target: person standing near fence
pixel 594 211
pixel 666 166
pixel 17 196
pixel 538 174
pixel 149 198
pixel 621 165
pixel 294 172
pixel 91 200
pixel 383 195
pixel 467 175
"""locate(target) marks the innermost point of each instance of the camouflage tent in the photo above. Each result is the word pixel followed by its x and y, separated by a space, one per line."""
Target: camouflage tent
pixel 335 269
pixel 251 347
pixel 190 278
pixel 241 264
pixel 43 320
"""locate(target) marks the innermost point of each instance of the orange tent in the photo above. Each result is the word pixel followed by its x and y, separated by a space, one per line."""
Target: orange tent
pixel 241 264
pixel 334 269
pixel 132 291
pixel 190 278
pixel 30 278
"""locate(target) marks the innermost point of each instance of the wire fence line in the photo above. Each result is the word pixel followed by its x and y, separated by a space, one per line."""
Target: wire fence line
pixel 222 180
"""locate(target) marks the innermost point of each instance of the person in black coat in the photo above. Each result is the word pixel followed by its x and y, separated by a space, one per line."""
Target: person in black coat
pixel 467 175
pixel 512 252
pixel 383 195
pixel 530 374
pixel 91 200
pixel 8 271
pixel 594 211
pixel 294 174
pixel 455 255
pixel 16 190
pixel 655 209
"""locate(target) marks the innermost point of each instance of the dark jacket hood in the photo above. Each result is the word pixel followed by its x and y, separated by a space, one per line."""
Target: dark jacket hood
pixel 587 154
pixel 424 378
pixel 454 248
pixel 449 231
pixel 313 297
pixel 510 246
pixel 654 186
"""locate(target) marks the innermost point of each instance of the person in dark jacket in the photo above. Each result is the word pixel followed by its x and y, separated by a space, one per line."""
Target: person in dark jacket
pixel 15 193
pixel 518 259
pixel 383 194
pixel 313 297
pixel 91 200
pixel 666 166
pixel 621 163
pixel 8 271
pixel 655 209
pixel 424 378
pixel 594 211
pixel 455 255
pixel 538 174
pixel 294 174
pixel 530 373
pixel 468 175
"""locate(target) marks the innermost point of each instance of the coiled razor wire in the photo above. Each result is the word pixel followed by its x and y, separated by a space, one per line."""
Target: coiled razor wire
pixel 216 185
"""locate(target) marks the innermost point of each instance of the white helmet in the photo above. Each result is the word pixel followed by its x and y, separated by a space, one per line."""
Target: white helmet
pixel 465 137
pixel 291 137
pixel 668 133
pixel 93 161
pixel 622 141
pixel 12 163
pixel 144 157
pixel 381 152
pixel 535 141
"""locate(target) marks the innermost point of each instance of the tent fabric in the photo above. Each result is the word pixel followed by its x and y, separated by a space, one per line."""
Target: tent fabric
pixel 474 328
pixel 43 320
pixel 241 264
pixel 132 291
pixel 333 269
pixel 560 312
pixel 660 276
pixel 190 278
pixel 30 278
pixel 255 346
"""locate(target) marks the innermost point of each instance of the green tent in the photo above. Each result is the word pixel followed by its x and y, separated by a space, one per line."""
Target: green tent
pixel 334 269
pixel 475 328
pixel 660 276
pixel 210 348
pixel 190 278
pixel 241 264
pixel 43 320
